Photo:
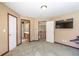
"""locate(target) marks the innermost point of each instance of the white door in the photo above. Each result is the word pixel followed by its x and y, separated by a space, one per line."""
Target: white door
pixel 12 32
pixel 50 31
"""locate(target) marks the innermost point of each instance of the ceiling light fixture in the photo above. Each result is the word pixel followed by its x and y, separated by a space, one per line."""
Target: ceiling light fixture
pixel 44 7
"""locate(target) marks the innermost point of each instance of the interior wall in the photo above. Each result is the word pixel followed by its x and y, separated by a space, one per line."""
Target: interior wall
pixel 22 30
pixel 26 27
pixel 4 10
pixel 3 26
pixel 33 30
pixel 65 35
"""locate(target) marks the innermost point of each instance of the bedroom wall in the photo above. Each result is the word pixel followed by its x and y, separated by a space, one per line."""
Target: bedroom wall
pixel 34 30
pixel 65 35
pixel 4 10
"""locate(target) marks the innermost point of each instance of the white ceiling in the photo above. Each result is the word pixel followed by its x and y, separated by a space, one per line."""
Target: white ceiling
pixel 32 8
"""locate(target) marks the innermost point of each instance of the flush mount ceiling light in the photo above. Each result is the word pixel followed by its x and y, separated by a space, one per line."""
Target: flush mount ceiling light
pixel 44 7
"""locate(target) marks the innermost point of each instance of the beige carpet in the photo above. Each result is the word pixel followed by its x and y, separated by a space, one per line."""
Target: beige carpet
pixel 42 48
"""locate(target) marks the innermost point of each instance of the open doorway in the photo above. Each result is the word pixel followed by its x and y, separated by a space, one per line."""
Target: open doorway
pixel 46 31
pixel 25 30
pixel 42 30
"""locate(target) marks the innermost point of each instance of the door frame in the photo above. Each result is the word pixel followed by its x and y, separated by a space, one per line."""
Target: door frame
pixel 21 29
pixel 16 29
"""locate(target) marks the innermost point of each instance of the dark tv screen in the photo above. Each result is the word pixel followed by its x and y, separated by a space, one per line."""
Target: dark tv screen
pixel 64 24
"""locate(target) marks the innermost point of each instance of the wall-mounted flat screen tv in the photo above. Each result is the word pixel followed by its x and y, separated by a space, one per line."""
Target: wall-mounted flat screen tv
pixel 68 23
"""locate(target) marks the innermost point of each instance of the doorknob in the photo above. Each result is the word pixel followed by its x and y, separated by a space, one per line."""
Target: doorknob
pixel 9 34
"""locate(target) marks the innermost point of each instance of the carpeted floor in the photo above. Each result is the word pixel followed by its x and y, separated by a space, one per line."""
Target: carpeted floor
pixel 43 48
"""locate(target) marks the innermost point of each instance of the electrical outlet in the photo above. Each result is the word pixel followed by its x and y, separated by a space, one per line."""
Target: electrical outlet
pixel 64 40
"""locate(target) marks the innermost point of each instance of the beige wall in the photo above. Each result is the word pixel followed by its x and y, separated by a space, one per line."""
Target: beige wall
pixel 3 25
pixel 34 30
pixel 26 27
pixel 65 35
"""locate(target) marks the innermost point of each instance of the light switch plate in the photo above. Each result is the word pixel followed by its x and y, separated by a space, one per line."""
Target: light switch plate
pixel 4 30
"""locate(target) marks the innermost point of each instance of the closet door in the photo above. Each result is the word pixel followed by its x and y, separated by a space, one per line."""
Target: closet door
pixel 50 31
pixel 12 32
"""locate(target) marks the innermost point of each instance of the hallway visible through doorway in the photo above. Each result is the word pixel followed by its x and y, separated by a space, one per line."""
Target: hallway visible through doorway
pixel 25 26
